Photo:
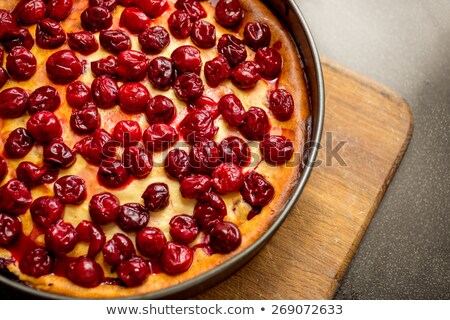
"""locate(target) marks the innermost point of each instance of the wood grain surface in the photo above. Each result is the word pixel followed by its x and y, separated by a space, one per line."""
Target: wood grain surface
pixel 309 254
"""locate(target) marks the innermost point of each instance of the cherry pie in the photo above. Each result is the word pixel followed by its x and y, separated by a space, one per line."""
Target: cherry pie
pixel 144 142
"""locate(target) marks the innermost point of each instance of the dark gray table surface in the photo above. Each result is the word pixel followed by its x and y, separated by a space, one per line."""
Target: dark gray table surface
pixel 404 44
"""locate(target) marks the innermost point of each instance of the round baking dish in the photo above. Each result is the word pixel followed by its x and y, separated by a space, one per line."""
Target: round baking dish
pixel 288 12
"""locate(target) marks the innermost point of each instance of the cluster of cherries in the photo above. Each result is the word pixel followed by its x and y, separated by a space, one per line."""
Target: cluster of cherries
pixel 209 170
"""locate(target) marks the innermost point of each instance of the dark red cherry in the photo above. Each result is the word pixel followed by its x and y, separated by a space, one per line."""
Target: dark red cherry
pixel 18 143
pixel 83 42
pixel 256 190
pixel 198 125
pixel 96 147
pixel 15 198
pixel 206 104
pixel 59 10
pixel 270 62
pixel 235 150
pixel 85 272
pixel 232 48
pixel 183 229
pixel 17 37
pixel 85 121
pixel 70 189
pixel 105 67
pixel 227 178
pixel 161 72
pixel 30 174
pixel 281 104
pixel 150 241
pixel 176 258
pixel 36 262
pixel 156 196
pixel 78 94
pixel 153 40
pixel 160 109
pixel 127 132
pixel 132 65
pixel 45 98
pixel 135 20
pixel 152 8
pixel 203 34
pixel 46 211
pixel 133 271
pixel 229 13
pixel 210 210
pixel 21 63
pixel 180 24
pixel 13 102
pixel 112 173
pixel 58 154
pixel 63 67
pixel 104 208
pixel 257 35
pixel 195 186
pixel 276 149
pixel 137 161
pixel 126 3
pixel 188 87
pixel 225 237
pixel 3 168
pixel 133 97
pixel 31 12
pixel 204 156
pixel 108 4
pixel 7 21
pixel 246 75
pixel 50 174
pixel 187 59
pixel 193 8
pixel 232 110
pixel 176 164
pixel 49 34
pixel 118 249
pixel 61 238
pixel 132 217
pixel 44 126
pixel 3 77
pixel 95 19
pixel 10 229
pixel 90 233
pixel 217 70
pixel 105 92
pixel 114 41
pixel 256 125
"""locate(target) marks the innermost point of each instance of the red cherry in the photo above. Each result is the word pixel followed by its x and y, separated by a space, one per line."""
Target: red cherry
pixel 118 249
pixel 134 20
pixel 160 109
pixel 50 174
pixel 58 154
pixel 161 72
pixel 232 48
pixel 176 164
pixel 206 104
pixel 229 13
pixel 10 229
pixel 183 229
pixel 17 37
pixel 232 110
pixel 187 59
pixel 150 241
pixel 127 132
pixel 114 41
pixel 246 75
pixel 153 40
pixel 61 238
pixel 193 8
pixel 156 196
pixel 49 34
pixel 59 10
pixel 227 178
pixel 21 63
pixel 30 174
pixel 18 144
pixel 204 156
pixel 85 272
pixel 36 262
pixel 104 208
pixel 210 210
pixel 270 62
pixel 105 92
pixel 198 125
pixel 132 217
pixel 63 67
pixel 152 8
pixel 217 71
pixel 46 211
pixel 45 98
pixel 112 173
pixel 108 4
pixel 13 103
pixel 90 233
pixel 78 94
pixel 133 97
pixel 281 104
pixel 85 121
pixel 3 77
pixel 225 237
pixel 256 190
pixel 7 21
pixel 44 126
pixel 83 42
pixel 138 163
pixel 96 147
pixel 31 12
pixel 95 19
pixel 70 190
pixel 195 186
pixel 276 149
pixel 105 67
pixel 180 24
pixel 132 65
pixel 3 168
pixel 133 272
pixel 257 35
pixel 188 87
pixel 256 125
pixel 203 34
pixel 126 3
pixel 176 258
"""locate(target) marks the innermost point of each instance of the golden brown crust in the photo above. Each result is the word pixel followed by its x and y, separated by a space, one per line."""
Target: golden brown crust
pixel 283 178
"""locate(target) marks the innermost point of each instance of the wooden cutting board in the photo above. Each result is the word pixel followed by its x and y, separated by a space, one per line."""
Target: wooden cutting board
pixel 310 253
